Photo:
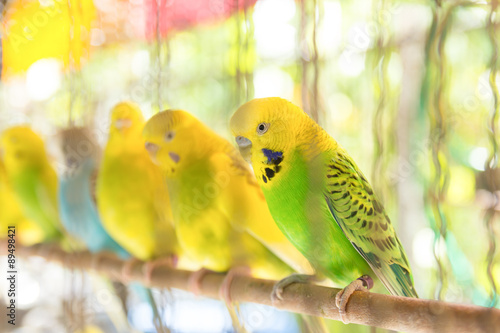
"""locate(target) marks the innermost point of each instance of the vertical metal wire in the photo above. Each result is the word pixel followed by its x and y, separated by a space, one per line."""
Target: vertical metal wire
pixel 72 79
pixel 244 34
pixel 247 54
pixel 492 163
pixel 438 137
pixel 309 91
pixel 303 54
pixel 158 56
pixel 315 93
pixel 381 86
pixel 239 41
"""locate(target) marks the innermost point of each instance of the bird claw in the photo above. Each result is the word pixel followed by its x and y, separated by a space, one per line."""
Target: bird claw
pixel 279 287
pixel 277 293
pixel 363 283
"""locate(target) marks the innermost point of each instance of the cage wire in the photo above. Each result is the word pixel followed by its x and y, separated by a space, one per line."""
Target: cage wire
pixel 437 184
pixel 240 37
pixel 315 62
pixel 248 54
pixel 73 75
pixel 381 90
pixel 242 53
pixel 160 59
pixel 310 16
pixel 73 307
pixel 161 54
pixel 492 161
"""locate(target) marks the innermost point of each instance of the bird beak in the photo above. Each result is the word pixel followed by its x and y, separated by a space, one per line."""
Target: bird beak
pixel 152 150
pixel 176 158
pixel 122 124
pixel 245 147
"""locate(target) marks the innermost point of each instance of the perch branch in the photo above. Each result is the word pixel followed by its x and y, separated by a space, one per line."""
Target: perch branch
pixel 366 308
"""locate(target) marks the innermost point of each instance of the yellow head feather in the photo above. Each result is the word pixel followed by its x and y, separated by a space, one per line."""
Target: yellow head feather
pixel 22 148
pixel 268 123
pixel 126 119
pixel 174 138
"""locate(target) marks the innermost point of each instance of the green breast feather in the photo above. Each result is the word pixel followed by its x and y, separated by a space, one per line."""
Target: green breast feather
pixel 297 204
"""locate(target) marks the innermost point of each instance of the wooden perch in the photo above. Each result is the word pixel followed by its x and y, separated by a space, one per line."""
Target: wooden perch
pixel 366 308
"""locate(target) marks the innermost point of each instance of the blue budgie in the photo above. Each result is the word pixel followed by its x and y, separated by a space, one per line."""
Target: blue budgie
pixel 77 206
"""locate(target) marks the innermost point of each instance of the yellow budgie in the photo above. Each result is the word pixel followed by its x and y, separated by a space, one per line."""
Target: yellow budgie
pixel 132 198
pixel 27 231
pixel 32 178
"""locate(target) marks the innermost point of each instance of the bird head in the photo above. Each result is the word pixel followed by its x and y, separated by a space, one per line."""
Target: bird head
pixel 173 139
pixel 79 149
pixel 265 127
pixel 126 119
pixel 21 148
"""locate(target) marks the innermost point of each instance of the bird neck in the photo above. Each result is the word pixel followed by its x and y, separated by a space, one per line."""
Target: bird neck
pixel 312 139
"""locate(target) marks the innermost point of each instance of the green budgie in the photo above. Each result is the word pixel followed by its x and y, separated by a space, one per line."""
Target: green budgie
pixel 320 200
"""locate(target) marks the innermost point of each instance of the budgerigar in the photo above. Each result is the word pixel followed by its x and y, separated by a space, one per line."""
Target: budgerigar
pixel 221 218
pixel 32 178
pixel 320 199
pixel 77 207
pixel 76 201
pixel 132 197
pixel 27 232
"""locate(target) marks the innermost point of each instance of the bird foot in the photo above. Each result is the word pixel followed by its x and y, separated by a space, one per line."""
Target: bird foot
pixel 148 268
pixel 278 289
pixel 194 281
pixel 225 287
pixel 361 284
pixel 127 269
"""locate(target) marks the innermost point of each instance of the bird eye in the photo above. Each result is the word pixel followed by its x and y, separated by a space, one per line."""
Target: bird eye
pixel 262 128
pixel 169 136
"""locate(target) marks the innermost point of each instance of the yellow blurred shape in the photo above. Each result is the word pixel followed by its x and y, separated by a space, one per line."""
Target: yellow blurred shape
pixel 461 189
pixel 27 232
pixel 57 29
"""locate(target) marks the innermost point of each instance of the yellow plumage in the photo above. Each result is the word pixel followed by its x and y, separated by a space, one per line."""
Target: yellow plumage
pixel 221 216
pixel 27 231
pixel 32 178
pixel 131 195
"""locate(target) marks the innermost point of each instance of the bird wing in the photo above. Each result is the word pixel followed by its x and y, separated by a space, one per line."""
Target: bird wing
pixel 363 220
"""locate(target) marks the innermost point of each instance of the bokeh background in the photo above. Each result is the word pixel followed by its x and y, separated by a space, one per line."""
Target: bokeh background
pixel 409 88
